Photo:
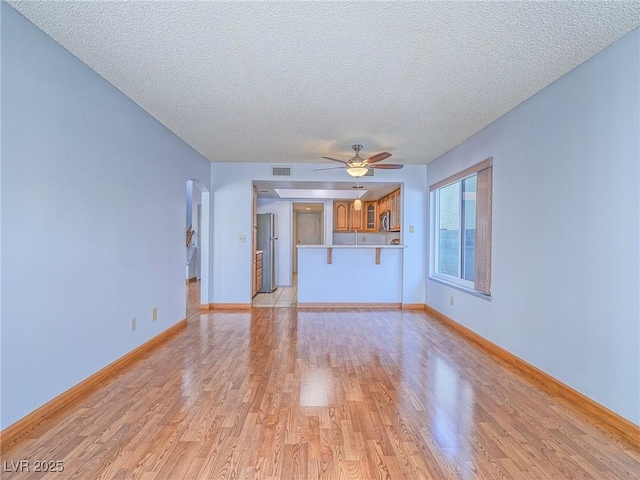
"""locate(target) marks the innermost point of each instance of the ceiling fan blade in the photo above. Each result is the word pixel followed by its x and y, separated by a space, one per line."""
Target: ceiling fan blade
pixel 388 166
pixel 378 157
pixel 330 168
pixel 335 160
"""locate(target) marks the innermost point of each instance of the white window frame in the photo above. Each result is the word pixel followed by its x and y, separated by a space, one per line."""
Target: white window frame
pixel 467 284
pixel 481 284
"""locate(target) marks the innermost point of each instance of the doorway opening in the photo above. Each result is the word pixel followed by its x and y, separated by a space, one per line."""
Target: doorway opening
pixel 307 228
pixel 197 245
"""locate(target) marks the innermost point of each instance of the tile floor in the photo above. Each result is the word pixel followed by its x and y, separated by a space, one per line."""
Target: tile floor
pixel 280 297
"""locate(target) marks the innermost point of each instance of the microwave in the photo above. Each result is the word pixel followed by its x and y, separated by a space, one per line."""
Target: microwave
pixel 385 222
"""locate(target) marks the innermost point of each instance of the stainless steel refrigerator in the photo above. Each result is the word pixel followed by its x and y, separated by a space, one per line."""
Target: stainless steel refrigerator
pixel 266 242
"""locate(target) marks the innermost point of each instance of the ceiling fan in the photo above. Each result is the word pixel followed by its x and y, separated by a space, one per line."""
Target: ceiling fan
pixel 358 166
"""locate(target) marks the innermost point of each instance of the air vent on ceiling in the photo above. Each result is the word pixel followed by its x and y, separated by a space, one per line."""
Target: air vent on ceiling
pixel 281 171
pixel 369 173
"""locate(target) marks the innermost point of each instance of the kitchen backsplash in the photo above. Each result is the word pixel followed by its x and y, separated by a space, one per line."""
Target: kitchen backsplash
pixel 365 238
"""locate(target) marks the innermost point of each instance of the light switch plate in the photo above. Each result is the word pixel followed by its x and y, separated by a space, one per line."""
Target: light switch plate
pixel 411 228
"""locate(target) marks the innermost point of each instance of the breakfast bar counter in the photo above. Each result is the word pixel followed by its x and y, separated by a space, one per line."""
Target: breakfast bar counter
pixel 350 275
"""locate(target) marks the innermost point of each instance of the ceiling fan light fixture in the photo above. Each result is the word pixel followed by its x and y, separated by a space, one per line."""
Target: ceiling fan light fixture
pixel 358 166
pixel 357 172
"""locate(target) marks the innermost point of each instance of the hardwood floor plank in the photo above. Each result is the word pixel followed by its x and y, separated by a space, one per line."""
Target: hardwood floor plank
pixel 353 394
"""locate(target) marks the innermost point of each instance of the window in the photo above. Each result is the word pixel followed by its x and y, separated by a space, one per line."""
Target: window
pixel 461 225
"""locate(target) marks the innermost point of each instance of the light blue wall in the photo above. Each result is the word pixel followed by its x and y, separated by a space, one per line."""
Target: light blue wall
pixel 232 199
pixel 93 212
pixel 566 229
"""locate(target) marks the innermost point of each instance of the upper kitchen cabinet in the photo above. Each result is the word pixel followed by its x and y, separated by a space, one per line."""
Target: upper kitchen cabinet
pixel 346 218
pixel 371 216
pixel 357 222
pixel 383 205
pixel 341 216
pixel 394 224
pixel 390 204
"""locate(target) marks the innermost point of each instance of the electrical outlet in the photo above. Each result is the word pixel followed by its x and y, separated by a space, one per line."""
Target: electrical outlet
pixel 451 299
pixel 242 239
pixel 154 314
pixel 133 324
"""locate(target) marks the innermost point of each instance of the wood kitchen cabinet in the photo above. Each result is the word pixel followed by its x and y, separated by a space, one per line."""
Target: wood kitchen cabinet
pixel 391 204
pixel 394 208
pixel 257 284
pixel 383 205
pixel 346 218
pixel 371 216
pixel 355 218
pixel 341 216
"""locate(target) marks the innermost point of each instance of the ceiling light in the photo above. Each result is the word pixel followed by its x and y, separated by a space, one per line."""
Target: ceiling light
pixel 357 171
pixel 357 203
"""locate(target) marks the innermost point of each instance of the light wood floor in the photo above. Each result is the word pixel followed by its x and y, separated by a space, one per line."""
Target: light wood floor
pixel 278 393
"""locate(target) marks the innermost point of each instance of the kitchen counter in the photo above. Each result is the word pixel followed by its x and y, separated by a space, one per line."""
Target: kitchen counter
pixel 350 275
pixel 363 245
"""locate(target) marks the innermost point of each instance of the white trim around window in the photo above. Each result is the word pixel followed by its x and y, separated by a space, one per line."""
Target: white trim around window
pixel 460 250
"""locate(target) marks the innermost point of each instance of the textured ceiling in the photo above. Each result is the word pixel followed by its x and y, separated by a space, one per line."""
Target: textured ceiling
pixel 292 81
